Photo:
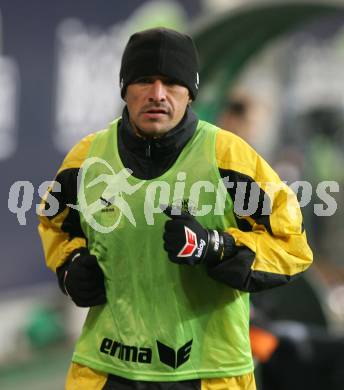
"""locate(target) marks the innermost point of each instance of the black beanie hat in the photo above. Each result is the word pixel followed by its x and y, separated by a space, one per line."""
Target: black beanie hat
pixel 160 51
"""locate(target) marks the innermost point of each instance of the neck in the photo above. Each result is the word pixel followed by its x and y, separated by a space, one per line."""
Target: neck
pixel 176 136
pixel 150 157
pixel 141 133
pixel 188 117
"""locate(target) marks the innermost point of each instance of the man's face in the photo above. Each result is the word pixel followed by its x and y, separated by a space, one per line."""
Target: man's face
pixel 156 104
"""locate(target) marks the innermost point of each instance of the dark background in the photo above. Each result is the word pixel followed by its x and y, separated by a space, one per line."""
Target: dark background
pixel 28 37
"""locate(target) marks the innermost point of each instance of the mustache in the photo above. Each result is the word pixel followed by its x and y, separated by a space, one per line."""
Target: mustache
pixel 156 106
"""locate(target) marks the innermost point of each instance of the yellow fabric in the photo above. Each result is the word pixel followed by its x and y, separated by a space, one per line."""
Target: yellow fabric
pixel 242 382
pixel 83 378
pixel 80 377
pixel 57 245
pixel 78 153
pixel 285 251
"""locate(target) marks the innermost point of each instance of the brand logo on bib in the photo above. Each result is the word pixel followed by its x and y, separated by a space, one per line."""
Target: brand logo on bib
pixel 172 358
pixel 126 352
pixel 109 208
pixel 134 354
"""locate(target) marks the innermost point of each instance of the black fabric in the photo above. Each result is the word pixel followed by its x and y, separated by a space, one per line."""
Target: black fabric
pixel 117 383
pixel 236 272
pixel 230 248
pixel 82 279
pixel 67 195
pixel 160 51
pixel 150 158
pixel 240 195
pixel 235 269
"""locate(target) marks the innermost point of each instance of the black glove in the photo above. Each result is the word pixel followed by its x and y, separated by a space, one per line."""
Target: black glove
pixel 187 242
pixel 82 279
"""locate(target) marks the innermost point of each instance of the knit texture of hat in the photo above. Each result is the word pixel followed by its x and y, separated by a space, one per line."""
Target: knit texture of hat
pixel 160 51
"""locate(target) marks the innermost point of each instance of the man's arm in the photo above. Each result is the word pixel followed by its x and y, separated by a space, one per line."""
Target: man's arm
pixel 270 245
pixel 64 243
pixel 61 233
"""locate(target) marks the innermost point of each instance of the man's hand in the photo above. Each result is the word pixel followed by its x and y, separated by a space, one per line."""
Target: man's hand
pixel 82 279
pixel 187 242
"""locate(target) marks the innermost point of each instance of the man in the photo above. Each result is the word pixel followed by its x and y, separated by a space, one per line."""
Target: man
pixel 159 252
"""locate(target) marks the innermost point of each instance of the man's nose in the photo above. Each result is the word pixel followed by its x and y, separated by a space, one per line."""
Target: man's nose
pixel 157 91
